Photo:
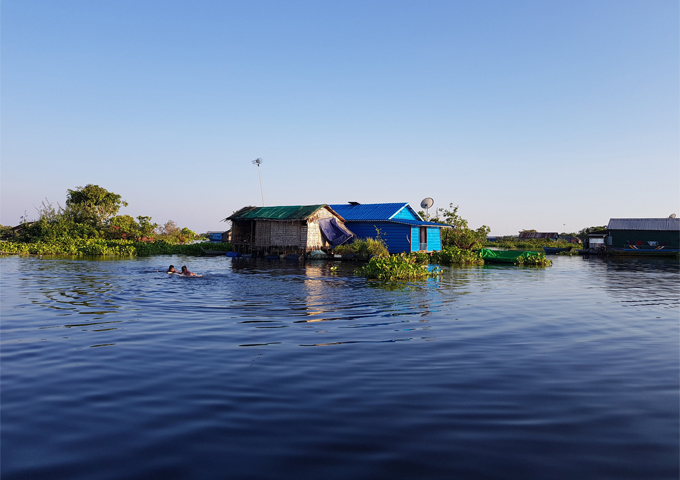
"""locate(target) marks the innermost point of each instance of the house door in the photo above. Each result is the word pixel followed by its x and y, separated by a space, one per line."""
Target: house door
pixel 422 239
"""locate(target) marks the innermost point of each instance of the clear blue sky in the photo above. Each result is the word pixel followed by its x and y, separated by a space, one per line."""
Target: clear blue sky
pixel 526 114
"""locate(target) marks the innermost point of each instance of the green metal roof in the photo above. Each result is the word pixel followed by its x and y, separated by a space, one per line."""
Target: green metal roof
pixel 297 212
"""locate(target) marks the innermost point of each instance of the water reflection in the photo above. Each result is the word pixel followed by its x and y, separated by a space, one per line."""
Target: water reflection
pixel 343 302
pixel 643 281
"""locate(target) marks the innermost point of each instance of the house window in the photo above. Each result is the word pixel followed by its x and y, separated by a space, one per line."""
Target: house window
pixel 422 239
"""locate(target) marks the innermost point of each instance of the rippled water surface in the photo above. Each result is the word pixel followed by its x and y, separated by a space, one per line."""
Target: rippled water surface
pixel 269 370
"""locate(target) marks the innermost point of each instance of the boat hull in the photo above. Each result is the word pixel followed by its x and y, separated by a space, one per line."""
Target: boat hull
pixel 644 252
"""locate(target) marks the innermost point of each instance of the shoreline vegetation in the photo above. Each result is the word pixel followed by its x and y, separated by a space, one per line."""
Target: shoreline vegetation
pixel 89 225
pixel 98 246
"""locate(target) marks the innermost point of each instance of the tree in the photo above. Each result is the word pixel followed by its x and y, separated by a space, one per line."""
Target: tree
pixel 583 233
pixel 460 235
pixel 93 205
pixel 123 226
pixel 146 228
pixel 169 229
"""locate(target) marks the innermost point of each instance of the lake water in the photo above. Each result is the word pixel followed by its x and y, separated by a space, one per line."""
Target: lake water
pixel 270 370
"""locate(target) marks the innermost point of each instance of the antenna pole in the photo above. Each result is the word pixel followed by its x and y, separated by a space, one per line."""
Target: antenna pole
pixel 257 162
pixel 260 176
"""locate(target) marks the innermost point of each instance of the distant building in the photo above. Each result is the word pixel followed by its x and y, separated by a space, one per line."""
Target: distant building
pixel 287 229
pixel 400 226
pixel 538 235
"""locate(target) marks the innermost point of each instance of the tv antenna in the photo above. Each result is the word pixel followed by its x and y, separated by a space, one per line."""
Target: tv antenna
pixel 426 204
pixel 258 162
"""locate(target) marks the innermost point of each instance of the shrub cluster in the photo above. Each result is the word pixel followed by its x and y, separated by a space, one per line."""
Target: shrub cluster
pixel 364 248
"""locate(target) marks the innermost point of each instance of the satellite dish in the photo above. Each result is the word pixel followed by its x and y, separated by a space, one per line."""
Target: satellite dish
pixel 426 203
pixel 672 215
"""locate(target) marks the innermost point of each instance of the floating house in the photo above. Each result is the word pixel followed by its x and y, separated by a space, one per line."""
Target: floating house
pixel 400 226
pixel 287 230
pixel 643 235
pixel 539 235
pixel 595 242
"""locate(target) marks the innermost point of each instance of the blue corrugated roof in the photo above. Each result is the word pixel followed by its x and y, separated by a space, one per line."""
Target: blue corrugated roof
pixel 418 223
pixel 369 211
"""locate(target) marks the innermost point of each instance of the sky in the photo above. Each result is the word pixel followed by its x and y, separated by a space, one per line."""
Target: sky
pixel 543 115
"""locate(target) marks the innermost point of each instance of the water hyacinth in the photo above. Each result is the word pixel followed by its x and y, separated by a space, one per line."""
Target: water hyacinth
pixel 456 256
pixel 397 267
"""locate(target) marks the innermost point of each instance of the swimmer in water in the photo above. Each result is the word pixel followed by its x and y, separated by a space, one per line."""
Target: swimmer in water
pixel 187 272
pixel 171 269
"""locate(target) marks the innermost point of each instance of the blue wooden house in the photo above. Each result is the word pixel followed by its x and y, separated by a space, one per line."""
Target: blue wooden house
pixel 400 226
pixel 218 236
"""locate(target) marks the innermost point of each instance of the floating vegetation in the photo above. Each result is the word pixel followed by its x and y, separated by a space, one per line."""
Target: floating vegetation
pixel 397 267
pixel 535 260
pixel 456 256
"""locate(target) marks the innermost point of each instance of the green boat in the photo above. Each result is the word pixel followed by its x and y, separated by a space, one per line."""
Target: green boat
pixel 505 256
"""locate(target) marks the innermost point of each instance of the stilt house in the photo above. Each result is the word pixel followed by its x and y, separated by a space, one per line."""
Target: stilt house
pixel 288 229
pixel 400 226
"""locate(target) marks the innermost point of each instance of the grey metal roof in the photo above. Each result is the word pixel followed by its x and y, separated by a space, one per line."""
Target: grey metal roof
pixel 644 224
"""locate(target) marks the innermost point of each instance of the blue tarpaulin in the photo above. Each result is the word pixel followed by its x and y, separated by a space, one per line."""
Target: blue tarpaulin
pixel 334 233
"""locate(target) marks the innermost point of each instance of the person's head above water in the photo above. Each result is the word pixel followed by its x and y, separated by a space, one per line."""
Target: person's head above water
pixel 184 268
pixel 171 269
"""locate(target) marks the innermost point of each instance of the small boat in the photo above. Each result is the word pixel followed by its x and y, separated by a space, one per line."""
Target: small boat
pixel 233 254
pixel 643 251
pixel 554 250
pixel 213 253
pixel 505 256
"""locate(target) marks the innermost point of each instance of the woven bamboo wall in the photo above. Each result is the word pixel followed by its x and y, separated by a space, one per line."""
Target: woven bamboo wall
pixel 285 234
pixel 314 239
